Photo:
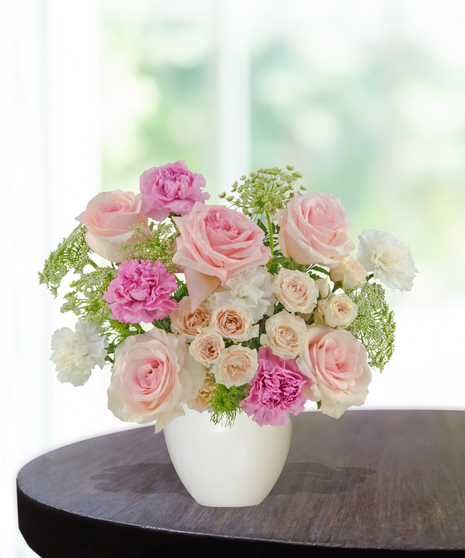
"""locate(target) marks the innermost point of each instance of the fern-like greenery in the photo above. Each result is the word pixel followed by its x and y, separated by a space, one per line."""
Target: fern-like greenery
pixel 86 298
pixel 160 245
pixel 224 403
pixel 374 325
pixel 72 254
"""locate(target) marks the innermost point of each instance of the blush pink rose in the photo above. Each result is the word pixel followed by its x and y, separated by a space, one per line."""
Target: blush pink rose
pixel 336 364
pixel 276 390
pixel 171 188
pixel 153 376
pixel 110 218
pixel 215 244
pixel 141 292
pixel 313 230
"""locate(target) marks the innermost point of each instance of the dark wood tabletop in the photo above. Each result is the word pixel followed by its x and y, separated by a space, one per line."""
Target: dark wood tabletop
pixel 373 483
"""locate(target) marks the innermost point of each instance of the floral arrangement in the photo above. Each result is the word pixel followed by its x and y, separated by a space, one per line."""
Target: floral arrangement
pixel 255 307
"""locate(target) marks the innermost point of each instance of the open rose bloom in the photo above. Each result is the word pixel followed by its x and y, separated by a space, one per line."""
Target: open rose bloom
pixel 255 306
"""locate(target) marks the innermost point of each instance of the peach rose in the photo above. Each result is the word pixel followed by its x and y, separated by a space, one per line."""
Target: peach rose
pixel 234 322
pixel 285 335
pixel 215 244
pixel 153 376
pixel 336 364
pixel 110 218
pixel 313 230
pixel 202 402
pixel 207 346
pixel 336 310
pixel 350 272
pixel 236 366
pixel 296 291
pixel 184 321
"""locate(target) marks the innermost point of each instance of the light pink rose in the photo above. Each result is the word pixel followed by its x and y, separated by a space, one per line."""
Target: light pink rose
pixel 110 218
pixel 235 366
pixel 313 230
pixel 215 244
pixel 336 310
pixel 153 376
pixel 336 364
pixel 350 272
pixel 285 334
pixel 171 188
pixel 186 321
pixel 207 346
pixel 296 291
pixel 234 322
pixel 323 287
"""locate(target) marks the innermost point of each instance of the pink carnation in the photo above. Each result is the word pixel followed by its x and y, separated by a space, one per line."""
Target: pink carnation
pixel 140 292
pixel 276 390
pixel 171 188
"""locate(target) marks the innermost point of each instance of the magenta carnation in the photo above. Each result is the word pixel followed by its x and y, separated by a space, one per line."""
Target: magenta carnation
pixel 140 292
pixel 171 188
pixel 276 390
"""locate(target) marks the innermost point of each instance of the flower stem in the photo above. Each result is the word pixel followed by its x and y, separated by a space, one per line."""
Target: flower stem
pixel 270 228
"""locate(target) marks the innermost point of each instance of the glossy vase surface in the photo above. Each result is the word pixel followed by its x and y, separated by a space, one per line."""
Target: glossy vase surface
pixel 222 466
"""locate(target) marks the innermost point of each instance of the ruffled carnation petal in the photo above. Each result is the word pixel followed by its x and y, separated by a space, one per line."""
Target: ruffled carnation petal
pixel 141 292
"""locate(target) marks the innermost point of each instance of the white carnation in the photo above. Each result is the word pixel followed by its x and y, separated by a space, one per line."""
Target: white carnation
pixel 251 288
pixel 389 259
pixel 76 353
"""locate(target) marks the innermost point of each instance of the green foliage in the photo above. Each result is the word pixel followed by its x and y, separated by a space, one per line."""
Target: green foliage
pixel 265 192
pixel 160 245
pixel 116 332
pixel 86 298
pixel 224 403
pixel 71 255
pixel 374 325
pixel 164 324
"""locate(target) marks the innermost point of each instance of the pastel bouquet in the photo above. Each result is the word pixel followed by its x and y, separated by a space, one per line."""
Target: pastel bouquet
pixel 255 306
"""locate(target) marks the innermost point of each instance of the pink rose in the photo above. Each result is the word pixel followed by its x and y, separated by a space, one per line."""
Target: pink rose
pixel 171 188
pixel 276 390
pixel 313 230
pixel 336 364
pixel 153 376
pixel 215 244
pixel 141 292
pixel 110 218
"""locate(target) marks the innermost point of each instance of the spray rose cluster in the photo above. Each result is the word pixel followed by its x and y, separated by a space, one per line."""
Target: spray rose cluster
pixel 254 307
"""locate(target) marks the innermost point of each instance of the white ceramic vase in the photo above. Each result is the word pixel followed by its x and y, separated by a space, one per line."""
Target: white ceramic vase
pixel 223 466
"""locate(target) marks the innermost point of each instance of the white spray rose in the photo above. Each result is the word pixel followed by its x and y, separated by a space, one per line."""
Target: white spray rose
pixel 389 259
pixel 76 353
pixel 251 288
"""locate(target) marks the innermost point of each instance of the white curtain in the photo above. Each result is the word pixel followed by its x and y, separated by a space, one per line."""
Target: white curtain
pixel 49 168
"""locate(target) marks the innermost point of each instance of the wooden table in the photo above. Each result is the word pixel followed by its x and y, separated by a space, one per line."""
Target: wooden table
pixel 373 483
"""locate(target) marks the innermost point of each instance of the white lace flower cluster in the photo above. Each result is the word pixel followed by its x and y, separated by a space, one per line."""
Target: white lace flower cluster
pixel 76 353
